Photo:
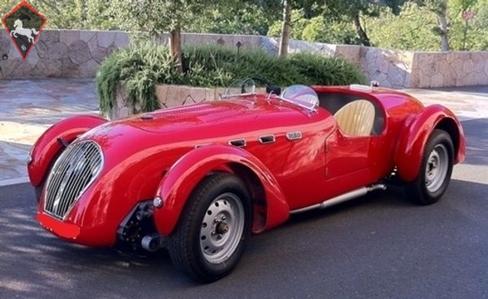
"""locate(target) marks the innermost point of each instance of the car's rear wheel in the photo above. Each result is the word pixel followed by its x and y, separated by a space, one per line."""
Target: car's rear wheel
pixel 435 170
pixel 214 229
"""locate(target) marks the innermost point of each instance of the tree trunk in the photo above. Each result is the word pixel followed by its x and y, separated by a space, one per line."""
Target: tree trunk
pixel 285 29
pixel 360 31
pixel 444 31
pixel 175 46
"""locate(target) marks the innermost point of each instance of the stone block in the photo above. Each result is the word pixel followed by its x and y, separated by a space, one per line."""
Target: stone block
pixel 176 95
pixel 17 69
pixel 42 50
pixel 49 36
pixel 99 54
pixel 112 48
pixel 88 68
pixel 69 69
pixel 197 94
pixel 69 36
pixel 468 66
pixel 5 46
pixel 79 52
pixel 437 80
pixel 481 79
pixel 105 38
pixel 92 44
pixel 161 93
pixel 86 35
pixel 457 66
pixel 58 50
pixel 49 67
pixel 121 39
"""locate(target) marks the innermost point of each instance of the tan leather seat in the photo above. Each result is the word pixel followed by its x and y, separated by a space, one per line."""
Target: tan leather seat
pixel 356 118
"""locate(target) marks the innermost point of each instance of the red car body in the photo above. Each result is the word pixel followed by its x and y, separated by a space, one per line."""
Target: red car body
pixel 290 158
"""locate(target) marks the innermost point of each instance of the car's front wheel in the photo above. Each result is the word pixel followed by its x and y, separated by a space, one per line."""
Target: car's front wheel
pixel 435 170
pixel 213 231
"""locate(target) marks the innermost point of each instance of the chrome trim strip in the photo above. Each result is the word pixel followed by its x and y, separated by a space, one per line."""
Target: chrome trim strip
pixel 202 145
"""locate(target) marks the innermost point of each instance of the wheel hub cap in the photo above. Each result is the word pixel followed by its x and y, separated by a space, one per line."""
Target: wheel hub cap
pixel 222 228
pixel 436 168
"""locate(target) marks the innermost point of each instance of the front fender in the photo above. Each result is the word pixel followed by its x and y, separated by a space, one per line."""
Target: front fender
pixel 47 146
pixel 415 133
pixel 178 183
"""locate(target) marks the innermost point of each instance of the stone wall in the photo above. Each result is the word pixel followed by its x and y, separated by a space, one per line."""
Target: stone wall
pixel 60 53
pixel 75 53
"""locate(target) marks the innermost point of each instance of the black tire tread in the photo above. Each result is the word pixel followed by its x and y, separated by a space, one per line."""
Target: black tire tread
pixel 181 254
pixel 416 190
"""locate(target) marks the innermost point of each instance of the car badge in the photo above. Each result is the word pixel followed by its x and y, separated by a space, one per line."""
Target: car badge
pixel 24 25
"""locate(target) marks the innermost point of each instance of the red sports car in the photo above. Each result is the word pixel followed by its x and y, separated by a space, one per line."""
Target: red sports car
pixel 199 179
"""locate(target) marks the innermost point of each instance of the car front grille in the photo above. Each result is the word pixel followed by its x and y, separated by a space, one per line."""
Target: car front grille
pixel 76 168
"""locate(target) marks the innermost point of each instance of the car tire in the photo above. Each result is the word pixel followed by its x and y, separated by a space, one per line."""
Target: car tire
pixel 213 231
pixel 435 170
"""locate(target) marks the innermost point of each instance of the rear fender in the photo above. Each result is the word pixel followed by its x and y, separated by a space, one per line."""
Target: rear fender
pixel 178 183
pixel 49 144
pixel 415 133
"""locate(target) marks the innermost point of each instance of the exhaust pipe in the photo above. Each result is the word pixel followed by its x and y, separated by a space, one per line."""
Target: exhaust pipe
pixel 341 198
pixel 152 243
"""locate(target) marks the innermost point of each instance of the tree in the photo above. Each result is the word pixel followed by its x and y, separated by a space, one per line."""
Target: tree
pixel 285 29
pixel 149 18
pixel 354 10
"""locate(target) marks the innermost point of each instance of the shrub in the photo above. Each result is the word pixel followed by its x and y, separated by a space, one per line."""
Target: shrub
pixel 319 70
pixel 142 67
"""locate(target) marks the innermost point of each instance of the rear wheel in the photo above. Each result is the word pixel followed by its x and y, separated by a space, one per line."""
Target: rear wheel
pixel 435 170
pixel 214 229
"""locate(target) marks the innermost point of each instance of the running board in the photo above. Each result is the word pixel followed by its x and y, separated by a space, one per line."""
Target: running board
pixel 341 198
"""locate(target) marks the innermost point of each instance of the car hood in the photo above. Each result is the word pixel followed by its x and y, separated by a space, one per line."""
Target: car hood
pixel 219 118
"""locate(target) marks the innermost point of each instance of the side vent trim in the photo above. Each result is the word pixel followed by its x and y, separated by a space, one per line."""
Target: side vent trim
pixel 267 139
pixel 238 142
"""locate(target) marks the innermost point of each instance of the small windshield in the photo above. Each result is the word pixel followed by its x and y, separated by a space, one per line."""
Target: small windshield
pixel 240 87
pixel 301 95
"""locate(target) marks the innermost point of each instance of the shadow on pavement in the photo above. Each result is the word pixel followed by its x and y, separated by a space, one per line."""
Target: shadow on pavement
pixel 476 132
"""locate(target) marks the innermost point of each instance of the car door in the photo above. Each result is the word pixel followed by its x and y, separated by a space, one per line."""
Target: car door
pixel 348 149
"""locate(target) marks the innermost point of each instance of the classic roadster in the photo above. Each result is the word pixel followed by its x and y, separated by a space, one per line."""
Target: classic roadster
pixel 198 180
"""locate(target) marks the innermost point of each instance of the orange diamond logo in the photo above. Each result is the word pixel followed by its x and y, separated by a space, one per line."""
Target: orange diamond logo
pixel 24 25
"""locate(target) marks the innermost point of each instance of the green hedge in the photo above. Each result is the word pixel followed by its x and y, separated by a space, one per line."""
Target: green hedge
pixel 145 66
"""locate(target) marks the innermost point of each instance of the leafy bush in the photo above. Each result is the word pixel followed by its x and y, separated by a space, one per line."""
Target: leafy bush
pixel 319 70
pixel 142 67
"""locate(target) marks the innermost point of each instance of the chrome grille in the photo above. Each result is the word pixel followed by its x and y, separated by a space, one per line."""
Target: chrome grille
pixel 77 167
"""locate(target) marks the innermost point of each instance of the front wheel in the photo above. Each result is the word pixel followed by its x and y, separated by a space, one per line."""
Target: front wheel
pixel 214 229
pixel 435 170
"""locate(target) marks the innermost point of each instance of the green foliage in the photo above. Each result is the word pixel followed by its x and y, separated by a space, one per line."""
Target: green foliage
pixel 141 68
pixel 247 18
pixel 322 30
pixel 318 70
pixel 411 30
pixel 298 24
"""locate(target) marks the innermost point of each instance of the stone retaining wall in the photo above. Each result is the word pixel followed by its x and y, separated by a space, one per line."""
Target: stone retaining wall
pixel 75 53
pixel 168 96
